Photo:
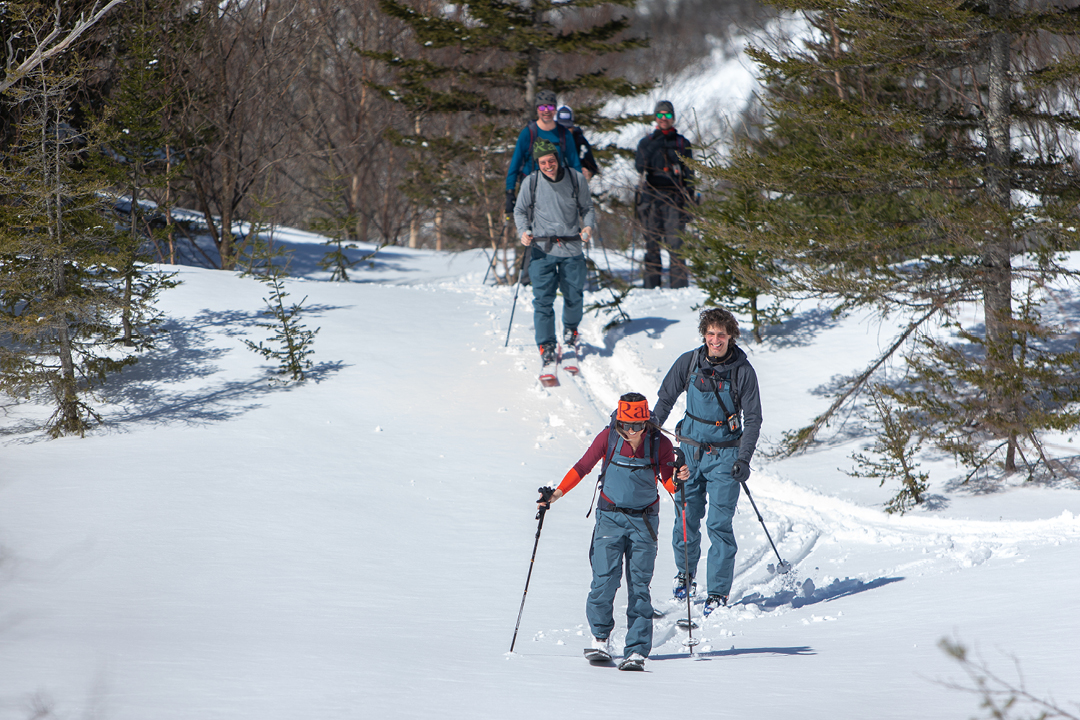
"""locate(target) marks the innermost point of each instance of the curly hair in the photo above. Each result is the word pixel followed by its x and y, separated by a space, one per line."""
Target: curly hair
pixel 718 316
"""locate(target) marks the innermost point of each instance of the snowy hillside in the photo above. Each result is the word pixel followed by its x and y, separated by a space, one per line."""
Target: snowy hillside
pixel 356 547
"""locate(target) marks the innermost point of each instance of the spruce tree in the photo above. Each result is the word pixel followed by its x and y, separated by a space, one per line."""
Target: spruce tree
pixel 58 293
pixel 139 159
pixel 916 159
pixel 469 81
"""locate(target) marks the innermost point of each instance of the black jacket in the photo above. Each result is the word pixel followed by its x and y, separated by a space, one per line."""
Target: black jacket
pixel 588 162
pixel 660 157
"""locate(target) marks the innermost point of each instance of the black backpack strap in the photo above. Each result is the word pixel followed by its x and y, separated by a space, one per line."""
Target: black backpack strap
pixel 574 184
pixel 654 438
pixel 534 132
pixel 612 442
pixel 533 180
pixel 694 362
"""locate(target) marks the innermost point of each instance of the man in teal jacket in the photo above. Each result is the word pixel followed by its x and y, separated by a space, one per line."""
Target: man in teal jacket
pixel 718 435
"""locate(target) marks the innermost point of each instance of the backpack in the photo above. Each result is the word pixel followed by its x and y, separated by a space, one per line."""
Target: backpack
pixel 534 179
pixel 613 442
pixel 732 375
pixel 734 418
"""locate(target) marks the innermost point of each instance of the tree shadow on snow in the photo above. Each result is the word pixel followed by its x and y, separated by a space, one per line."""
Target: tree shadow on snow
pixel 653 327
pixel 183 353
pixel 800 330
pixel 800 650
pixel 805 594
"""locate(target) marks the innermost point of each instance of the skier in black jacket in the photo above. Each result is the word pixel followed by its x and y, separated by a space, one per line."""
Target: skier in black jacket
pixel 667 186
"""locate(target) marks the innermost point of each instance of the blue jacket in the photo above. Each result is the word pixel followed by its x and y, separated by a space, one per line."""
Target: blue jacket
pixel 522 163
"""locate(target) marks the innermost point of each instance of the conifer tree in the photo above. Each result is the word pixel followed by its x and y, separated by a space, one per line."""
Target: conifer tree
pixel 58 299
pixel 917 158
pixel 140 161
pixel 291 344
pixel 469 82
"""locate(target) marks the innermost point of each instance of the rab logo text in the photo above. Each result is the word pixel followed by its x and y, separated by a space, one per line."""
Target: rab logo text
pixel 633 411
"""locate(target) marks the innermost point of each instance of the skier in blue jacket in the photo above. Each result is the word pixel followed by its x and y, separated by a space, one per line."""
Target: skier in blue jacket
pixel 522 163
pixel 718 435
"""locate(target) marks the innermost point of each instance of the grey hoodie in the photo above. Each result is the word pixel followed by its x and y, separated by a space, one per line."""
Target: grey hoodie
pixel 554 214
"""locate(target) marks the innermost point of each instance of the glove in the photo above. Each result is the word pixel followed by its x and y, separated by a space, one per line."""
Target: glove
pixel 545 499
pixel 740 471
pixel 680 462
pixel 511 201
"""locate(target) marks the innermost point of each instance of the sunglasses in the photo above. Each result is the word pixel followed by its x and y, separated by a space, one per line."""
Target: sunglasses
pixel 631 427
pixel 546 108
pixel 665 116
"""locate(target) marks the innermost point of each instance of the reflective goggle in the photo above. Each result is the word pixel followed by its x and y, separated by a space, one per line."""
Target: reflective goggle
pixel 546 108
pixel 632 426
pixel 665 116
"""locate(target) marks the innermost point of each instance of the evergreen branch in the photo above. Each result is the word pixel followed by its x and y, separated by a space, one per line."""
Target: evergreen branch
pixel 798 440
pixel 978 465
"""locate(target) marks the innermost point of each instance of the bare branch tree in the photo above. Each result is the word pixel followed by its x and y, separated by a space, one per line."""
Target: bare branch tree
pixel 46 50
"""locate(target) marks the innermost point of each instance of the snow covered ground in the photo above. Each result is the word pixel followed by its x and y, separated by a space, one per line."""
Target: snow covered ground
pixel 357 546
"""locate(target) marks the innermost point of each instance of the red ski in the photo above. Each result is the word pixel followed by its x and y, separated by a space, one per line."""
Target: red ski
pixel 549 374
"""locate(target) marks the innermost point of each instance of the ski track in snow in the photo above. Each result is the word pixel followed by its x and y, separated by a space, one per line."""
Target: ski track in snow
pixel 810 529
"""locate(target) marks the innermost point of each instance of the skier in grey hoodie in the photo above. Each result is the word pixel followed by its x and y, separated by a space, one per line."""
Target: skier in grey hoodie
pixel 554 215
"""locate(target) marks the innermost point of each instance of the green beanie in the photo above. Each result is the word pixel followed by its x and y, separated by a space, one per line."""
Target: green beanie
pixel 544 147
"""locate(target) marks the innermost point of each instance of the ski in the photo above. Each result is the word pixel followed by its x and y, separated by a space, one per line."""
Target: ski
pixel 573 353
pixel 632 663
pixel 549 374
pixel 597 656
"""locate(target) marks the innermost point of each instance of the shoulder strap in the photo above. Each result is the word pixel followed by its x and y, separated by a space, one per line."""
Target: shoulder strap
pixel 694 361
pixel 562 133
pixel 532 195
pixel 654 438
pixel 613 439
pixel 529 164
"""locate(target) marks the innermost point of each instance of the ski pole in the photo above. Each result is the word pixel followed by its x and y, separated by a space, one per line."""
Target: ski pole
pixel 783 567
pixel 690 642
pixel 545 495
pixel 514 306
pixel 494 255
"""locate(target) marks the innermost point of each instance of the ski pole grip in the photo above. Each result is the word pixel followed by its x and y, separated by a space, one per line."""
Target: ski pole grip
pixel 545 497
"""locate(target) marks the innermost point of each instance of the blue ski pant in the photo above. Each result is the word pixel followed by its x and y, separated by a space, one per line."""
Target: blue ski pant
pixel 549 275
pixel 618 537
pixel 711 481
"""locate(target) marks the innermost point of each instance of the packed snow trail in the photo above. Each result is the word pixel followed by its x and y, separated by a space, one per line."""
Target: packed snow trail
pixel 228 548
pixel 816 533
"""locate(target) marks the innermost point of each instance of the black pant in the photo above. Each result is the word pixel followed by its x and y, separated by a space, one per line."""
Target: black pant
pixel 663 221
